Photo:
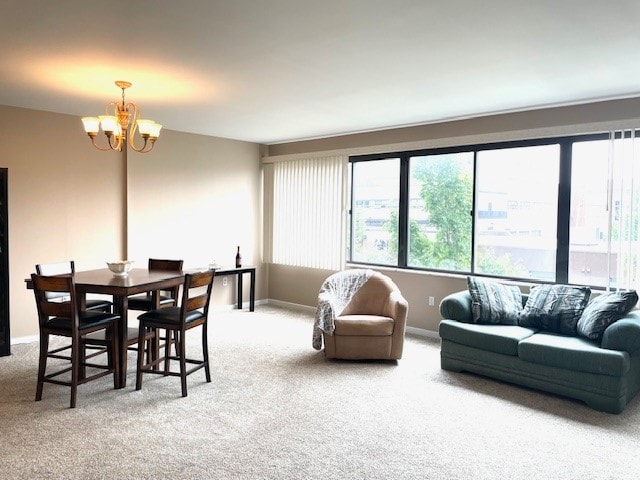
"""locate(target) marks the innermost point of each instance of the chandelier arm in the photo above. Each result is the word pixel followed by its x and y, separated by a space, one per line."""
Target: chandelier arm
pixel 118 144
pixel 104 149
pixel 140 149
pixel 134 127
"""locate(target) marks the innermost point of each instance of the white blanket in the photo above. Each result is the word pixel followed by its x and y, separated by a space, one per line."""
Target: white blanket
pixel 335 294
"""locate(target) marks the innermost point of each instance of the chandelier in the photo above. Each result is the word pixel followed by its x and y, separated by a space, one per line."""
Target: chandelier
pixel 120 117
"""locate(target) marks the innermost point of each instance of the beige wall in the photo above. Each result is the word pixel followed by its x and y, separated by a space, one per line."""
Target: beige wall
pixel 197 198
pixel 588 118
pixel 68 200
pixel 300 285
pixel 65 201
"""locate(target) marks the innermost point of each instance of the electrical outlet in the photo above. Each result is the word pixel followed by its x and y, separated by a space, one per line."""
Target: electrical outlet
pixel 224 281
pixel 432 301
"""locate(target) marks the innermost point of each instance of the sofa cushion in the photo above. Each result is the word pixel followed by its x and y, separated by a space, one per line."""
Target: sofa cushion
pixel 555 308
pixel 603 310
pixel 363 325
pixel 493 302
pixel 495 338
pixel 572 353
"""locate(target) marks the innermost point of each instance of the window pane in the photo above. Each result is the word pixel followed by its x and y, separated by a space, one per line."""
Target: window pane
pixel 590 227
pixel 375 190
pixel 440 202
pixel 516 212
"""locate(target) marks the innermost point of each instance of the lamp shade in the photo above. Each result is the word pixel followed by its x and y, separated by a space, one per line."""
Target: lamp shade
pixel 91 124
pixel 109 123
pixel 155 130
pixel 144 126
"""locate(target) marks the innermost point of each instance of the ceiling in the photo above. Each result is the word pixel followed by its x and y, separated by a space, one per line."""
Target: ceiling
pixel 271 71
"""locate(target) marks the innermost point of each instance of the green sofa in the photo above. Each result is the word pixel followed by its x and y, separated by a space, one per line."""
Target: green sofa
pixel 605 376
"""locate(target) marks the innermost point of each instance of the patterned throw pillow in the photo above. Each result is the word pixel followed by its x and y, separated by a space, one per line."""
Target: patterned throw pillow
pixel 555 308
pixel 604 310
pixel 493 302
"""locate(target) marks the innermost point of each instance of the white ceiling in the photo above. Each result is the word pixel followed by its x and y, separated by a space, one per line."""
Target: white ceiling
pixel 270 71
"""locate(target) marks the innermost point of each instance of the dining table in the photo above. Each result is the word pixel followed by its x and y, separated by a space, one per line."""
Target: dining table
pixel 120 287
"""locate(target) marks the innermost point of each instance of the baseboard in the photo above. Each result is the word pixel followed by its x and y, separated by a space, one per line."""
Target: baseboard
pixel 421 332
pixel 29 339
pixel 232 306
pixel 292 306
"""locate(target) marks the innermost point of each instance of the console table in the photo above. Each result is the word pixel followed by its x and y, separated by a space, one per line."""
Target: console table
pixel 239 272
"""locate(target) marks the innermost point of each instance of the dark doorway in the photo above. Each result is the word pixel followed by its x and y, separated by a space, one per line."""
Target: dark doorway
pixel 5 337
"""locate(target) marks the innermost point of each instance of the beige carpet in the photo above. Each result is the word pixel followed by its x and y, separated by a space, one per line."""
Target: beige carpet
pixel 276 409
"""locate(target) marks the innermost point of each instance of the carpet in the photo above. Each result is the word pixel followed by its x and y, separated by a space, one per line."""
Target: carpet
pixel 276 409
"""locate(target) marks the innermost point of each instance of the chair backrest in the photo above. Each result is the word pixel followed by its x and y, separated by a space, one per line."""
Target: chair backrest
pixel 165 265
pixel 194 297
pixel 51 307
pixel 60 268
pixel 373 297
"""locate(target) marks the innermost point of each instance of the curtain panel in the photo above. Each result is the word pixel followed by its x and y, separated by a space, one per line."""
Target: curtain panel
pixel 306 220
pixel 623 204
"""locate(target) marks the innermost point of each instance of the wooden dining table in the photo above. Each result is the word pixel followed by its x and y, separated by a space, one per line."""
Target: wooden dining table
pixel 121 287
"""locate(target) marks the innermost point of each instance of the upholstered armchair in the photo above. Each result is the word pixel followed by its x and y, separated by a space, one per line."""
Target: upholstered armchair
pixel 361 315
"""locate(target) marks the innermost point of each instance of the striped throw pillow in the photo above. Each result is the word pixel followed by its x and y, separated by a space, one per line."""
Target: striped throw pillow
pixel 555 308
pixel 493 302
pixel 604 310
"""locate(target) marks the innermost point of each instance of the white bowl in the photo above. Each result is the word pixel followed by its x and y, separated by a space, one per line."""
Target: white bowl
pixel 120 268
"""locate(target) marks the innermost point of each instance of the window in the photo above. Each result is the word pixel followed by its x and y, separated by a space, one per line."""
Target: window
pixel 440 204
pixel 374 211
pixel 516 212
pixel 551 210
pixel 605 211
pixel 589 222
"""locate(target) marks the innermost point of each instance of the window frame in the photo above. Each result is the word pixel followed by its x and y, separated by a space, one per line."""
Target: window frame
pixel 565 144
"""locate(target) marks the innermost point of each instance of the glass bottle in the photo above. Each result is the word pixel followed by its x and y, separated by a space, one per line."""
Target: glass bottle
pixel 238 258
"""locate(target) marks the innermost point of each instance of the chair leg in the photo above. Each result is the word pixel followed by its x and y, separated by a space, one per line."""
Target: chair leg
pixel 82 373
pixel 75 370
pixel 205 352
pixel 141 332
pixel 167 350
pixel 183 363
pixel 42 364
pixel 153 348
pixel 113 360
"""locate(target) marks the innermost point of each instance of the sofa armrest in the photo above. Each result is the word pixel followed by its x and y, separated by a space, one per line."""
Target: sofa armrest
pixel 457 306
pixel 623 335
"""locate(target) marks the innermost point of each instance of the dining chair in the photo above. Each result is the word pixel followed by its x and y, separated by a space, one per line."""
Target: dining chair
pixel 93 341
pixel 146 301
pixel 59 268
pixel 168 298
pixel 192 312
pixel 63 319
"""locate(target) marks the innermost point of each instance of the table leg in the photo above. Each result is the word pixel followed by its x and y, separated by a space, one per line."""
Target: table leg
pixel 239 282
pixel 121 303
pixel 252 291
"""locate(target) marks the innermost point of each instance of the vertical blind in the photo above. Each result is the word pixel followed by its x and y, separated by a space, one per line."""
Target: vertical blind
pixel 308 221
pixel 624 210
